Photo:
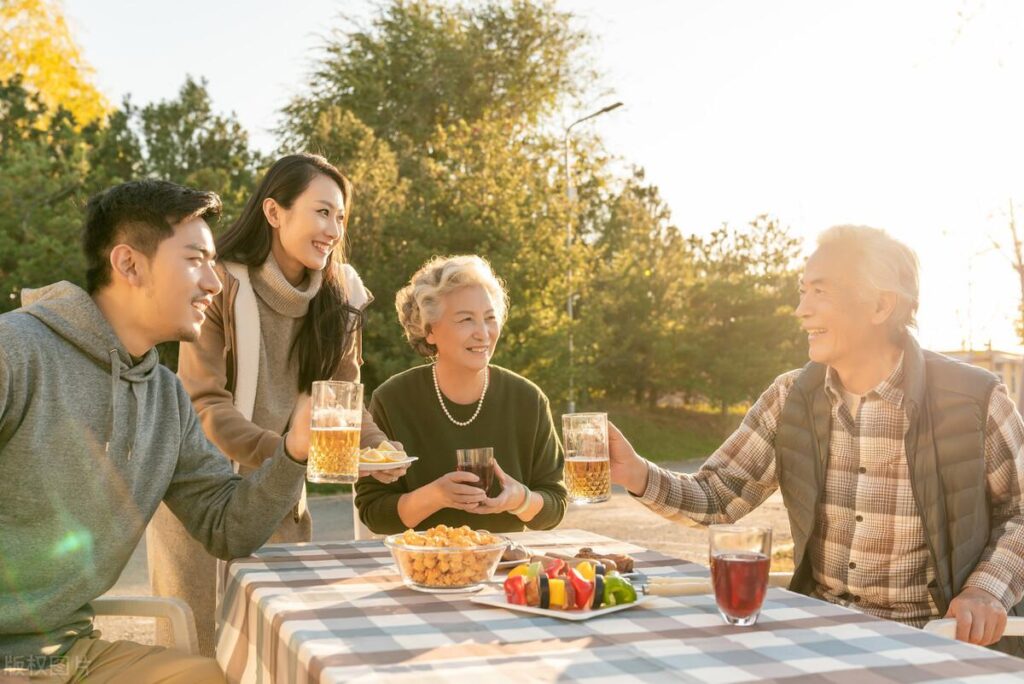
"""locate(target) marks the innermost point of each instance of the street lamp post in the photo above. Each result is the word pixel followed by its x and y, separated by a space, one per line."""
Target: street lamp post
pixel 569 194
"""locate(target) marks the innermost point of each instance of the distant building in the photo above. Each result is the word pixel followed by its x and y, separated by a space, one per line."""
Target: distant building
pixel 1009 367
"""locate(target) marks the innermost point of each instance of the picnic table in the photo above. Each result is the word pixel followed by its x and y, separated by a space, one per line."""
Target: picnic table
pixel 338 612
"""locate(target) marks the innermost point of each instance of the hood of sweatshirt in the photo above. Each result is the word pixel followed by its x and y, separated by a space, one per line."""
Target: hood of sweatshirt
pixel 71 313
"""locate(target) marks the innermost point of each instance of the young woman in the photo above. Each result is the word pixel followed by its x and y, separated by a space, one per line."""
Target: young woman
pixel 452 311
pixel 289 313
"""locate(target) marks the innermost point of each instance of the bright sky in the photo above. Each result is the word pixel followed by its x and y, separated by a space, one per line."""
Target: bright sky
pixel 902 115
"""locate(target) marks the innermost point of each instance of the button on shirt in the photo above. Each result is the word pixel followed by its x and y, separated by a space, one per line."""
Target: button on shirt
pixel 869 545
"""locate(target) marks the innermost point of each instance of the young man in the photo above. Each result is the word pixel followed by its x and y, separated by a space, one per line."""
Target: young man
pixel 94 434
pixel 901 469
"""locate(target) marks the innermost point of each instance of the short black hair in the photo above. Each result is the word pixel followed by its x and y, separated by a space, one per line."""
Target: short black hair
pixel 139 213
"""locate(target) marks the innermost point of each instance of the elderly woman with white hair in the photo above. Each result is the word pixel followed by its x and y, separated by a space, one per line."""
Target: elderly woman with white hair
pixel 453 310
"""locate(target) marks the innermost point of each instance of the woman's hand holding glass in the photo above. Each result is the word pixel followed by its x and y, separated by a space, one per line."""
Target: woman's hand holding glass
pixel 456 490
pixel 511 497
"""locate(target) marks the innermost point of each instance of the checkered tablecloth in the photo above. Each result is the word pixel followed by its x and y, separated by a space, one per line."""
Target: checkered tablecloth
pixel 337 612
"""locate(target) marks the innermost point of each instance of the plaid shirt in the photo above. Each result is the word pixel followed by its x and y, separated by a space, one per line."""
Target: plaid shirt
pixel 869 545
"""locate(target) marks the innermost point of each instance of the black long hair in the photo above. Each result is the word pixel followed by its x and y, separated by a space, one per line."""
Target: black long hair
pixel 327 328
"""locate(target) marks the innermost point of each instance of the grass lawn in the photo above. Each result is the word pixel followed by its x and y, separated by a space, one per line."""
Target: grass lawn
pixel 665 434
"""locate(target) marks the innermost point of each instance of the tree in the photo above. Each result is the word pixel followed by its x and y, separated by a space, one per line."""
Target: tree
pixel 41 181
pixel 740 329
pixel 631 308
pixel 425 65
pixel 51 166
pixel 184 141
pixel 450 105
pixel 36 44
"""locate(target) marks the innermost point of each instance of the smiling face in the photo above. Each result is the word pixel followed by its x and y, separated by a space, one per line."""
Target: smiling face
pixel 841 325
pixel 467 331
pixel 306 233
pixel 179 283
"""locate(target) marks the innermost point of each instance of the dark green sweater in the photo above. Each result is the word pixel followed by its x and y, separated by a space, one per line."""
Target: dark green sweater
pixel 515 420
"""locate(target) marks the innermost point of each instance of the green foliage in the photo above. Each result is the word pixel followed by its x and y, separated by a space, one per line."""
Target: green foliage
pixel 441 115
pixel 427 65
pixel 741 332
pixel 435 112
pixel 184 141
pixel 632 292
pixel 445 116
pixel 51 166
pixel 41 178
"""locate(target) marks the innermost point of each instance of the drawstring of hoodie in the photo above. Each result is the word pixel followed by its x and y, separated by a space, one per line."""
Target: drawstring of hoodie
pixel 115 374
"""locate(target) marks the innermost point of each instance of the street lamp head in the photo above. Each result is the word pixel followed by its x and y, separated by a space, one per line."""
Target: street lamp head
pixel 599 112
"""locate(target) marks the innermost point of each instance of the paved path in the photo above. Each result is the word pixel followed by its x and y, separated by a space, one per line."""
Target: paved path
pixel 621 518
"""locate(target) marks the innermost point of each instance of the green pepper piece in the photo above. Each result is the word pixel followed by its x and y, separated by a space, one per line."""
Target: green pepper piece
pixel 618 590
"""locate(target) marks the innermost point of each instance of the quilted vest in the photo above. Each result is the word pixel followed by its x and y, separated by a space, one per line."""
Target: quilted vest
pixel 947 406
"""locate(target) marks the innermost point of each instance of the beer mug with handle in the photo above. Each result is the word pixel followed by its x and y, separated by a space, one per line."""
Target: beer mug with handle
pixel 334 432
pixel 588 476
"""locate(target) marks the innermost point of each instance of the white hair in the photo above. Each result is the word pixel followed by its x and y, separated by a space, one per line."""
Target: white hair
pixel 420 303
pixel 880 263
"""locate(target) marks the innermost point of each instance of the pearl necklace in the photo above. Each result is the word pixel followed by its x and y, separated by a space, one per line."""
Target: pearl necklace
pixel 479 404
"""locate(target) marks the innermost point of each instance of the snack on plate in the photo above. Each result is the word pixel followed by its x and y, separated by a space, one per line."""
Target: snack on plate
pixel 559 586
pixel 611 561
pixel 369 455
pixel 451 557
pixel 623 562
pixel 384 453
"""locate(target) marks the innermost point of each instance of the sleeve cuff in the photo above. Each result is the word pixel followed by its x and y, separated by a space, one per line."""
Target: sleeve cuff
pixel 282 472
pixel 980 579
pixel 655 475
pixel 284 450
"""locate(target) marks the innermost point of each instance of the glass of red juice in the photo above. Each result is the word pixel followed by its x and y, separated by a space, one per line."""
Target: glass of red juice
pixel 740 559
pixel 480 462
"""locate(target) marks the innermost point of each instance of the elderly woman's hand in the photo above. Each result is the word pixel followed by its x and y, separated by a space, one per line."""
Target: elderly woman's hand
pixel 511 497
pixel 456 490
pixel 385 476
pixel 391 474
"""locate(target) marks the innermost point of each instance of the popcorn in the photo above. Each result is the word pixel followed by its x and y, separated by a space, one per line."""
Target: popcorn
pixel 460 563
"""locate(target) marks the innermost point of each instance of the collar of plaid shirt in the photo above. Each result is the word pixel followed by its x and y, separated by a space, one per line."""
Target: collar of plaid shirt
pixel 889 390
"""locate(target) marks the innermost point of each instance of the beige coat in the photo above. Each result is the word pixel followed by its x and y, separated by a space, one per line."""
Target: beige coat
pixel 178 565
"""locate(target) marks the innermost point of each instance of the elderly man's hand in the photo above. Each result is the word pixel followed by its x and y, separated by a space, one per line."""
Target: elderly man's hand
pixel 628 468
pixel 980 616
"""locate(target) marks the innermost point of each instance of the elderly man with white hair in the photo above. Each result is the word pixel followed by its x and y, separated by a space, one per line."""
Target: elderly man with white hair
pixel 901 469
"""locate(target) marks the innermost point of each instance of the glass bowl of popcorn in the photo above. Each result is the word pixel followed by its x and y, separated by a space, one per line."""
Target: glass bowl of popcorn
pixel 446 559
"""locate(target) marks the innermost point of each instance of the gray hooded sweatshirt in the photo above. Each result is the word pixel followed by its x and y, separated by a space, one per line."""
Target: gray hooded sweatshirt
pixel 90 443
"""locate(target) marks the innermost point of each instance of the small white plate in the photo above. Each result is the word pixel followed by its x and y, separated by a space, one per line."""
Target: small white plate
pixel 387 465
pixel 499 601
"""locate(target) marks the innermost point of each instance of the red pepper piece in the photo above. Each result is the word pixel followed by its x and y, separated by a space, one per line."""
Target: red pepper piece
pixel 515 590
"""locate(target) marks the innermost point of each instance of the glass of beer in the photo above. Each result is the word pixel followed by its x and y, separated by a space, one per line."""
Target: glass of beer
pixel 337 414
pixel 588 476
pixel 740 560
pixel 480 462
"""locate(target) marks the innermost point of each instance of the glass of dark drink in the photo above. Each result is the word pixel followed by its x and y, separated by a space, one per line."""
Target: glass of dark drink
pixel 740 560
pixel 480 462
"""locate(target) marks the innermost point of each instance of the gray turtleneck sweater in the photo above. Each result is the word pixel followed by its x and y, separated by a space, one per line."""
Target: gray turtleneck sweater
pixel 282 307
pixel 90 443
